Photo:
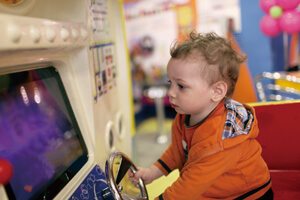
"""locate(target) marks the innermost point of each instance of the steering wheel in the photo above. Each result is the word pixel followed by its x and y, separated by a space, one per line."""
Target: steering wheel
pixel 116 172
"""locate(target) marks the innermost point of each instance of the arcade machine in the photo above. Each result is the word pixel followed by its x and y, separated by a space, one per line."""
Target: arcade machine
pixel 65 101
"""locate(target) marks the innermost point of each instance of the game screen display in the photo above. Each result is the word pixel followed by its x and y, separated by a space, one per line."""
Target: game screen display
pixel 39 134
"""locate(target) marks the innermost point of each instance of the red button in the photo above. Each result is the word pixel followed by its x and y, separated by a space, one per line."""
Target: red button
pixel 6 171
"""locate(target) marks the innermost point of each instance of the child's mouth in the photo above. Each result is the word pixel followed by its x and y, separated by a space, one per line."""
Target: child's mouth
pixel 173 106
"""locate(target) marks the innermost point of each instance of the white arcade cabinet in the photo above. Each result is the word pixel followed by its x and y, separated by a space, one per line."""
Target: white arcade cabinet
pixel 65 101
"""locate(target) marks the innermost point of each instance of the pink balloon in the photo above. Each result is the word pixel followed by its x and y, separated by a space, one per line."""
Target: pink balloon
pixel 269 26
pixel 288 4
pixel 289 21
pixel 265 5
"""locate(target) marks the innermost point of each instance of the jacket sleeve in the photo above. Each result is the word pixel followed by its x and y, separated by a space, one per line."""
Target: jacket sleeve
pixel 173 157
pixel 199 175
pixel 166 162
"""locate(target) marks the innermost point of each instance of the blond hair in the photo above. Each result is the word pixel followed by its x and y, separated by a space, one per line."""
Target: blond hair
pixel 222 62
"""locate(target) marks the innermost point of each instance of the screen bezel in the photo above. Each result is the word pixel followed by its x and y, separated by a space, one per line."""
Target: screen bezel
pixel 56 184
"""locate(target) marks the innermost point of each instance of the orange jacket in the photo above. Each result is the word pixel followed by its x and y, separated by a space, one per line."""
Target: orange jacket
pixel 216 168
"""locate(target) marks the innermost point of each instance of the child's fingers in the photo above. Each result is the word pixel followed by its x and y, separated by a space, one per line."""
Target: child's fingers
pixel 134 181
pixel 130 173
pixel 133 178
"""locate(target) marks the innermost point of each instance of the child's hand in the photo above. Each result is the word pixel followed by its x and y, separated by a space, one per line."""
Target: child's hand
pixel 146 174
pixel 143 173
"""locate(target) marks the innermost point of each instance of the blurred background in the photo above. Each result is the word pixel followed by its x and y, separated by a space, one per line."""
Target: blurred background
pixel 266 30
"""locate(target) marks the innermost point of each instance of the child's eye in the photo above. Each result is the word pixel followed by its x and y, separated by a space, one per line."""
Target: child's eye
pixel 180 86
pixel 169 82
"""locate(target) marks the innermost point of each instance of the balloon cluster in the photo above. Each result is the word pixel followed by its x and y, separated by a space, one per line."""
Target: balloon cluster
pixel 281 15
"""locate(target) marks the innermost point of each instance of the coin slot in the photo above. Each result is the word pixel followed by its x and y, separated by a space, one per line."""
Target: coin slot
pixel 120 126
pixel 110 137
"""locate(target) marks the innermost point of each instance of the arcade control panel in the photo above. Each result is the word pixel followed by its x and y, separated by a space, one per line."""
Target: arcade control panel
pixel 94 186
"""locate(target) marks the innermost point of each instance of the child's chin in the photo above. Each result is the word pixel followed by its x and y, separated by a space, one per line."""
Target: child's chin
pixel 179 111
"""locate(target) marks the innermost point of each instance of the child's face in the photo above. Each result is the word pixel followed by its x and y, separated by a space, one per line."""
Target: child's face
pixel 189 93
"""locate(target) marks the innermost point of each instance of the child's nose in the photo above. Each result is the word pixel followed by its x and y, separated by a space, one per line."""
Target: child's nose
pixel 171 92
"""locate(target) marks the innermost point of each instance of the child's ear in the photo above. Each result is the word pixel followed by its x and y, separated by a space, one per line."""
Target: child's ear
pixel 219 91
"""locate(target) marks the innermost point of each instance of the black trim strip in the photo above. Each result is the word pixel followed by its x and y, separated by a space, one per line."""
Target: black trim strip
pixel 164 166
pixel 253 191
pixel 160 197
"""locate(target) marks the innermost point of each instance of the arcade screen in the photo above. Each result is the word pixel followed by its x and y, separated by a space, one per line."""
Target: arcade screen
pixel 39 134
